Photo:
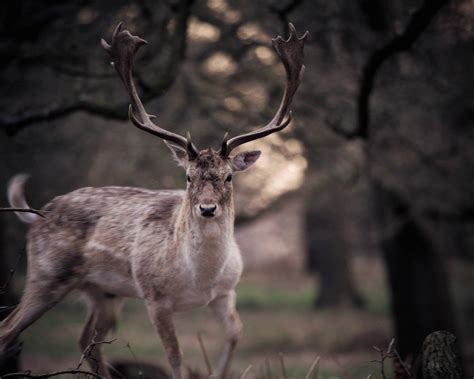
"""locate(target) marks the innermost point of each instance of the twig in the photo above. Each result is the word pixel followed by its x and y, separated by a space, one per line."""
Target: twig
pixel 88 350
pixel 282 364
pixel 28 374
pixel 313 366
pixel 268 369
pixel 402 363
pixel 416 25
pixel 129 347
pixel 390 353
pixel 245 372
pixel 27 210
pixel 204 354
pixel 5 308
pixel 11 273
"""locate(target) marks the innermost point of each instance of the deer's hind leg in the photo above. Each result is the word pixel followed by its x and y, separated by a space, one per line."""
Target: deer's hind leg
pixel 40 295
pixel 103 313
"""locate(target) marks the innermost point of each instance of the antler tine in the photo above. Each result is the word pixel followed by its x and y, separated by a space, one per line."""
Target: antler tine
pixel 291 53
pixel 122 49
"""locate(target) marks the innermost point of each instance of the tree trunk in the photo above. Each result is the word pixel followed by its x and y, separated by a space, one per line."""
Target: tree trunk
pixel 7 299
pixel 328 252
pixel 416 271
pixel 441 358
pixel 7 296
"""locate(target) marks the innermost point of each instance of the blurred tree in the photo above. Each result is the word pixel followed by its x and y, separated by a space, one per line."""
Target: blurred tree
pixel 7 299
pixel 329 250
pixel 418 145
pixel 421 300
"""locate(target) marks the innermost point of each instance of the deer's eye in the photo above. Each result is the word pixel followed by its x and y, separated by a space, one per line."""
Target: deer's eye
pixel 188 178
pixel 229 178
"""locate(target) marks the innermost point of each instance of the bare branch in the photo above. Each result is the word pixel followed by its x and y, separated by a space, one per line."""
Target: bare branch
pixel 10 276
pixel 204 354
pixel 417 24
pixel 313 367
pixel 390 353
pixel 89 348
pixel 28 374
pixel 245 372
pixel 25 210
pixel 12 124
pixel 282 13
pixel 282 363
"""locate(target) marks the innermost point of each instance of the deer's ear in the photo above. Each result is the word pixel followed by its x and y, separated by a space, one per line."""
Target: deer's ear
pixel 244 160
pixel 179 154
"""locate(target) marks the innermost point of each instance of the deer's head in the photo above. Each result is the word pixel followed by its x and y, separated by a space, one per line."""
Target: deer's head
pixel 209 172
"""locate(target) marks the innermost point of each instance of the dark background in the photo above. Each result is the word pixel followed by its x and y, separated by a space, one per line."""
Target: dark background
pixel 377 166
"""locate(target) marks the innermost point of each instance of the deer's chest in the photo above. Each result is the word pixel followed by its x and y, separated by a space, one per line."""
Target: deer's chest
pixel 203 289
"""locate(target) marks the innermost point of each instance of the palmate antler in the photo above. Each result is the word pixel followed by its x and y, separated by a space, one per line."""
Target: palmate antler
pixel 122 50
pixel 291 53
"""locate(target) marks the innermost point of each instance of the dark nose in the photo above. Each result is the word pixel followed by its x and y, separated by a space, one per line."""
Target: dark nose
pixel 207 210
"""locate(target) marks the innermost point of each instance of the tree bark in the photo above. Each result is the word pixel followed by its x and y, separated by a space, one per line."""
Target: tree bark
pixel 416 271
pixel 441 358
pixel 328 253
pixel 7 299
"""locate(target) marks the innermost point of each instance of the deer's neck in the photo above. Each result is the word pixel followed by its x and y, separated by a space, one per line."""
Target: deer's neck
pixel 205 243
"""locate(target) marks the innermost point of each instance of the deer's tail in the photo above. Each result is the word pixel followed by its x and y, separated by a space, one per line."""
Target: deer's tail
pixel 16 198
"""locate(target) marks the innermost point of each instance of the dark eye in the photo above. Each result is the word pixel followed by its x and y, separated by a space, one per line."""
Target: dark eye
pixel 229 178
pixel 188 178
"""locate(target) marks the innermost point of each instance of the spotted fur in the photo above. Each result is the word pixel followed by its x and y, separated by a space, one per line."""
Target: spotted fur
pixel 116 242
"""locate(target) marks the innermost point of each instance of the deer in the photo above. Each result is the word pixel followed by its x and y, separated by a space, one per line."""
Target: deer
pixel 174 249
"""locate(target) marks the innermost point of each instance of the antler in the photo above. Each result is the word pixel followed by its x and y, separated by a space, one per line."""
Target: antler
pixel 291 53
pixel 122 50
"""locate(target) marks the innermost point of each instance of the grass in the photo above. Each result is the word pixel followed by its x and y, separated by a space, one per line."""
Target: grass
pixel 277 314
pixel 252 297
pixel 278 318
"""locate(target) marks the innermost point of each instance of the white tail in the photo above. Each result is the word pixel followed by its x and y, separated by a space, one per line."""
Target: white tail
pixel 16 198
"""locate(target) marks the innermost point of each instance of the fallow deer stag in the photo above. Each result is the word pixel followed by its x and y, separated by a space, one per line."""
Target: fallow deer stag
pixel 174 249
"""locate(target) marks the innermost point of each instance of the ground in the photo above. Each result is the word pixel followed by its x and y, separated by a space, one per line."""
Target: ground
pixel 276 309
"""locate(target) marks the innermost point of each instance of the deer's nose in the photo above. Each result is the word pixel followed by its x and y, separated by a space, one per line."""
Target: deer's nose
pixel 207 210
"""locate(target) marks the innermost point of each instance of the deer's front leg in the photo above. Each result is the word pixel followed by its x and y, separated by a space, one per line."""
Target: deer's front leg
pixel 224 308
pixel 161 317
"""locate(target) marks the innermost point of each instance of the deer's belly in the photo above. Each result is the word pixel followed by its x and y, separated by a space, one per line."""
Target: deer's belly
pixel 193 298
pixel 112 282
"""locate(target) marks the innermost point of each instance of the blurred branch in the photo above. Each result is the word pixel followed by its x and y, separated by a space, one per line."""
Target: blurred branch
pixel 12 124
pixel 314 368
pixel 279 202
pixel 28 374
pixel 204 354
pixel 76 372
pixel 283 12
pixel 465 215
pixel 27 210
pixel 391 353
pixel 229 41
pixel 417 24
pixel 87 353
pixel 10 276
pixel 80 72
